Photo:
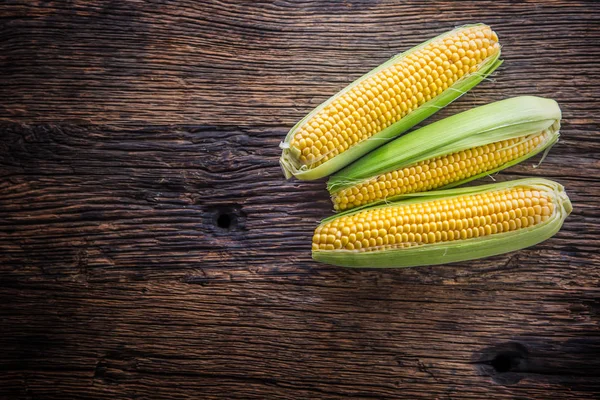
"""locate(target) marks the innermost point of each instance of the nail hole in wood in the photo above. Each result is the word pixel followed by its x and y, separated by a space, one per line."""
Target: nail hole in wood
pixel 224 221
pixel 503 362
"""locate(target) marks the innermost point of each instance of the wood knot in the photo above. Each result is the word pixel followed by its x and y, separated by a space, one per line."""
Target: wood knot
pixel 226 218
pixel 504 363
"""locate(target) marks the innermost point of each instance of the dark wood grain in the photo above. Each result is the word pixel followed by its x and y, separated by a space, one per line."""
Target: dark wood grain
pixel 150 247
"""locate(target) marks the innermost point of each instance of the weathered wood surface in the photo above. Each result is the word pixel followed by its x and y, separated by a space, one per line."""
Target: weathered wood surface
pixel 150 248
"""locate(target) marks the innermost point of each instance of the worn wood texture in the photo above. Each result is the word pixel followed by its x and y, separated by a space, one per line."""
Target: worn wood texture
pixel 150 247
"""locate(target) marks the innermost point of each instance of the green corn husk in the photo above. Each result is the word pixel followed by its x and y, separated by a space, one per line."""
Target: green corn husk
pixel 517 117
pixel 456 250
pixel 291 164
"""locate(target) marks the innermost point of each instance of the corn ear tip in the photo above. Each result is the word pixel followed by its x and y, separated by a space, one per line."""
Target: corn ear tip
pixel 565 202
pixel 285 163
pixel 562 198
pixel 285 171
pixel 288 162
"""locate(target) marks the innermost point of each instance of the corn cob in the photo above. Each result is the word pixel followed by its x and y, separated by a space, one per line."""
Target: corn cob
pixel 444 226
pixel 389 100
pixel 450 152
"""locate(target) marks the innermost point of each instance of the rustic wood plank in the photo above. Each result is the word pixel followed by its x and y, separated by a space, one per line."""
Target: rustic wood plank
pixel 150 248
pixel 265 63
pixel 122 252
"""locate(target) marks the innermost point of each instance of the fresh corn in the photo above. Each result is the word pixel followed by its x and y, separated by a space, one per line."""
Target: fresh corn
pixel 447 153
pixel 444 226
pixel 389 100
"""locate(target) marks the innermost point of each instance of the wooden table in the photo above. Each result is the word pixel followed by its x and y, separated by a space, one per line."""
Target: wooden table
pixel 150 247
